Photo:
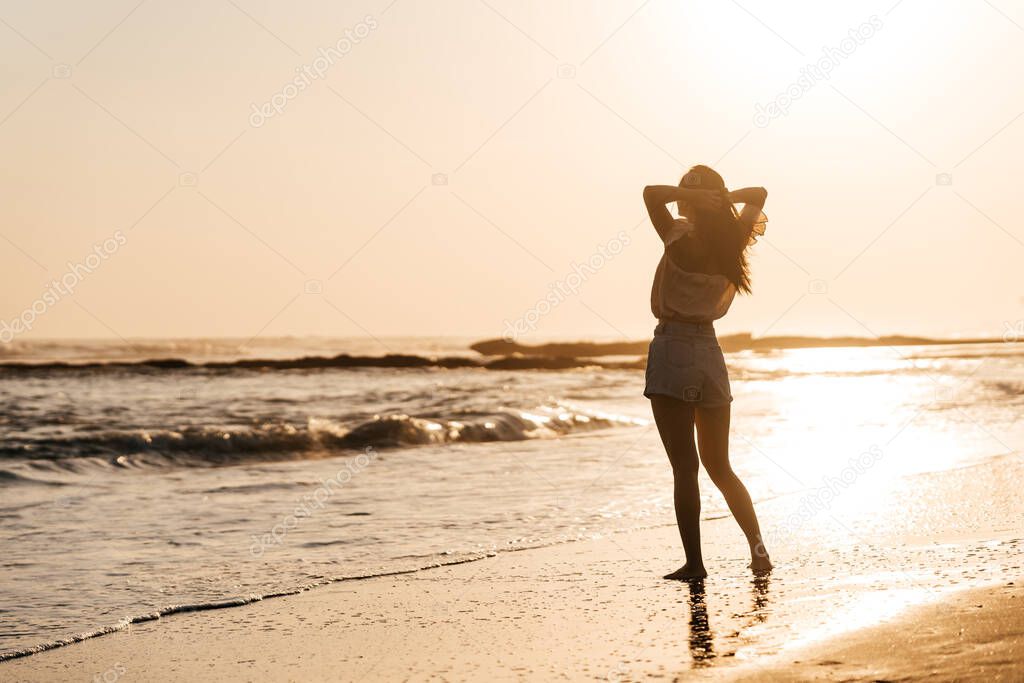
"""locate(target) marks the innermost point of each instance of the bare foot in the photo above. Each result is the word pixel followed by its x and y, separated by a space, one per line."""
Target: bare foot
pixel 687 573
pixel 759 561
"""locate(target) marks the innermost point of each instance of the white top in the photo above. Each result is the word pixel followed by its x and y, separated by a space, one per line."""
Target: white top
pixel 678 294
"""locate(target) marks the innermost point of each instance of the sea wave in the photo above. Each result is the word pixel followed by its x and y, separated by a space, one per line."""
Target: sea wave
pixel 206 445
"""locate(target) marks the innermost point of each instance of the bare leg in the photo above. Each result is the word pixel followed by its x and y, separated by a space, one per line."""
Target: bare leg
pixel 675 425
pixel 713 438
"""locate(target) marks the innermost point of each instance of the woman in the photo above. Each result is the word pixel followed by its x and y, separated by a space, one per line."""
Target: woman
pixel 703 266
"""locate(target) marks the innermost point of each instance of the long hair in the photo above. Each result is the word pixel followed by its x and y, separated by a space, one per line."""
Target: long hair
pixel 721 246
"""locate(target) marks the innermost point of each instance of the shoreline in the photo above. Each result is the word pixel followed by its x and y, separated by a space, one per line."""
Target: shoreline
pixel 598 609
pixel 241 601
pixel 253 598
pixel 595 609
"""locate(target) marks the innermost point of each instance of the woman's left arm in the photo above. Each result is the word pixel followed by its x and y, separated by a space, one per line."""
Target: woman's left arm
pixel 753 199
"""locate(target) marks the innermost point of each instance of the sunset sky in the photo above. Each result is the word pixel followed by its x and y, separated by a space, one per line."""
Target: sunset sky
pixel 458 158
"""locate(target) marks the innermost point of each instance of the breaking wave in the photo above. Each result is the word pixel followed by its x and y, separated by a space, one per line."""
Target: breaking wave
pixel 199 445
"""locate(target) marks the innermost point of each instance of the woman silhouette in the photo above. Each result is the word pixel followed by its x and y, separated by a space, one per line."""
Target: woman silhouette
pixel 703 266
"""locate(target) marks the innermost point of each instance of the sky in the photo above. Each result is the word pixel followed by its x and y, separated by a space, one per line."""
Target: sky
pixel 467 167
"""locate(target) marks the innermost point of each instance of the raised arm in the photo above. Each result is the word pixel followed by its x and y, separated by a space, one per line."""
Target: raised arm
pixel 753 199
pixel 657 197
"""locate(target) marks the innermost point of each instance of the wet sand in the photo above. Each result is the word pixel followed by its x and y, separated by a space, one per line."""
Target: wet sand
pixel 975 635
pixel 873 573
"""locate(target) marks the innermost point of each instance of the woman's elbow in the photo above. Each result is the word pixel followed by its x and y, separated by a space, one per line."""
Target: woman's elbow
pixel 762 195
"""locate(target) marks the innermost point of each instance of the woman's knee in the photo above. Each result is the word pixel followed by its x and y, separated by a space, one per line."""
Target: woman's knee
pixel 685 461
pixel 721 476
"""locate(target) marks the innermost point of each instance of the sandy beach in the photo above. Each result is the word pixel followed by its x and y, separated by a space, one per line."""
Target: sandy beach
pixel 925 584
pixel 972 635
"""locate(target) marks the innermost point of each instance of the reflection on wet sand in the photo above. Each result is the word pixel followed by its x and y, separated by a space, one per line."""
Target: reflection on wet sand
pixel 702 645
pixel 760 585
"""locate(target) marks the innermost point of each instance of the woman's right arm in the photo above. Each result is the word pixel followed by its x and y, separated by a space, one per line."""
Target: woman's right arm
pixel 657 197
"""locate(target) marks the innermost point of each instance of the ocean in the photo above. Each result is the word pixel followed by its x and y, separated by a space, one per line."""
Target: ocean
pixel 135 486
